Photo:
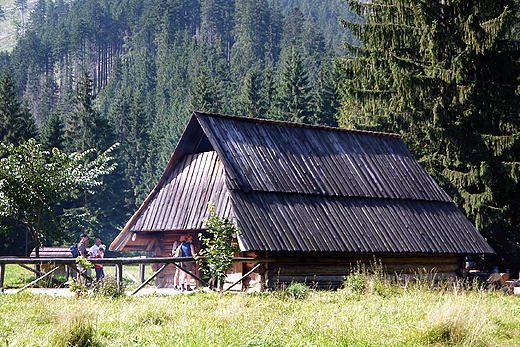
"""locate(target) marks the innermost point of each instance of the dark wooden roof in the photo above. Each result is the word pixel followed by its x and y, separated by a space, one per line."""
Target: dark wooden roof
pixel 297 187
pixel 52 252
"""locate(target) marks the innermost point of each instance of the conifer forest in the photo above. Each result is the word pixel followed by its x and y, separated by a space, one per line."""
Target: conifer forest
pixel 445 74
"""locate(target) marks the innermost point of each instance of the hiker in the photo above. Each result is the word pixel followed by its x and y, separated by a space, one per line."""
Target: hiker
pixel 177 252
pixel 94 249
pixel 82 245
pixel 187 251
pixel 82 249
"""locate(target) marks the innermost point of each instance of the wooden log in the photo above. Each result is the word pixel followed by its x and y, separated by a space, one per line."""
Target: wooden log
pixel 141 272
pixel 39 279
pixel 119 275
pixel 307 279
pixel 2 276
pixel 131 276
pixel 39 273
pixel 247 274
pixel 498 278
pixel 148 280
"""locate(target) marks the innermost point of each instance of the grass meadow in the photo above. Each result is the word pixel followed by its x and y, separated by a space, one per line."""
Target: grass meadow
pixel 367 311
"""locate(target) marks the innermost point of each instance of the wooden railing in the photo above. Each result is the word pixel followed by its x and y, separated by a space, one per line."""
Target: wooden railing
pixel 118 262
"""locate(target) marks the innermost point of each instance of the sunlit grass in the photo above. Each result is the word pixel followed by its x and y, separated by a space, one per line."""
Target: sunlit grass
pixel 17 277
pixel 393 315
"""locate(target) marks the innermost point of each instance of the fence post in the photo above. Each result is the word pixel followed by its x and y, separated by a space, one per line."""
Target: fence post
pixel 2 277
pixel 141 273
pixel 119 275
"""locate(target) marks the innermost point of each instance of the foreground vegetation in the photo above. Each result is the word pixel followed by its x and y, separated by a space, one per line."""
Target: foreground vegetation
pixel 364 313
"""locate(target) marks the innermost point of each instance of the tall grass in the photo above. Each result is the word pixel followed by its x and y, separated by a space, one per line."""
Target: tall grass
pixel 371 310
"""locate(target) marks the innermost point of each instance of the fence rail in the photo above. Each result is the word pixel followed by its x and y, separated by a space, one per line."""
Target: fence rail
pixel 118 262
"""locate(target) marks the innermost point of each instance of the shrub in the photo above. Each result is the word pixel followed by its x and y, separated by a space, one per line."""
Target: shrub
pixel 297 291
pixel 79 333
pixel 108 287
pixel 220 248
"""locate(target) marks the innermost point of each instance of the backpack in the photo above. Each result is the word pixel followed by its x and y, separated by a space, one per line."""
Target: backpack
pixel 178 251
pixel 74 250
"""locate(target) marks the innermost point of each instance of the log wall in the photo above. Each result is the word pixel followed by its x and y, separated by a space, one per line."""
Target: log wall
pixel 328 270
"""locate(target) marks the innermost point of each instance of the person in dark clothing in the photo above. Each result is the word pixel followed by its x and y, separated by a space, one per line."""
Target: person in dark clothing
pixel 82 248
pixel 187 251
pixel 82 245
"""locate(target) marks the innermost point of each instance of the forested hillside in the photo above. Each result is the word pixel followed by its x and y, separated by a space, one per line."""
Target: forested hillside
pixel 91 73
pixel 95 72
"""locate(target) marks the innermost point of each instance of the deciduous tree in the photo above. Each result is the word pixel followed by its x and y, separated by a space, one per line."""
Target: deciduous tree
pixel 34 181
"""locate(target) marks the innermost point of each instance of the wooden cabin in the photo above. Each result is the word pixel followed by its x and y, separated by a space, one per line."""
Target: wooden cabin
pixel 54 252
pixel 317 200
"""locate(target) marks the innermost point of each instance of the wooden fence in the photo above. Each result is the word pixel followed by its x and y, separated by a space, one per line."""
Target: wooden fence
pixel 118 262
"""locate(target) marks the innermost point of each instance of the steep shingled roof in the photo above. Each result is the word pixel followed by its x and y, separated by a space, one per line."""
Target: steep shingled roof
pixel 297 187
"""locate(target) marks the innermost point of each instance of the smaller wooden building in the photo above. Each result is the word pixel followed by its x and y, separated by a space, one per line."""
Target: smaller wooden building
pixel 317 200
pixel 54 252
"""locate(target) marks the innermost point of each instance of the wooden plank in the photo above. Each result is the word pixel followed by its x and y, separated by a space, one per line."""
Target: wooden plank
pixel 203 182
pixel 326 174
pixel 162 201
pixel 248 213
pixel 148 280
pixel 245 158
pixel 167 199
pixel 330 223
pixel 185 201
pixel 244 276
pixel 287 182
pixel 211 129
pixel 177 192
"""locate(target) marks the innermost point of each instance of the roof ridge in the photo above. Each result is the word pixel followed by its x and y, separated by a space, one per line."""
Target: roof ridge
pixel 299 125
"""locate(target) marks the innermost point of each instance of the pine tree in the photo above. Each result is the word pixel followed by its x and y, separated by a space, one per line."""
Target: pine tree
pixel 251 34
pixel 82 122
pixel 327 96
pixel 16 122
pixel 293 98
pixel 446 75
pixel 251 101
pixel 52 134
pixel 204 97
pixel 269 93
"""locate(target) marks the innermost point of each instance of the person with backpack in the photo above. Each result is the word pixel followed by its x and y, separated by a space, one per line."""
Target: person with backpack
pixel 187 250
pixel 82 245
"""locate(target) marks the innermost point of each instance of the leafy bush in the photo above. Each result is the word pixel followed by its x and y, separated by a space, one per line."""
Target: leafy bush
pixel 220 248
pixel 297 291
pixel 373 280
pixel 108 287
pixel 357 281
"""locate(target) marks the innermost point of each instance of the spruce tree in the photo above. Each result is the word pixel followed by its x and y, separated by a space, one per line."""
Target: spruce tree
pixel 327 96
pixel 251 101
pixel 204 96
pixel 16 122
pixel 293 102
pixel 82 122
pixel 446 75
pixel 52 134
